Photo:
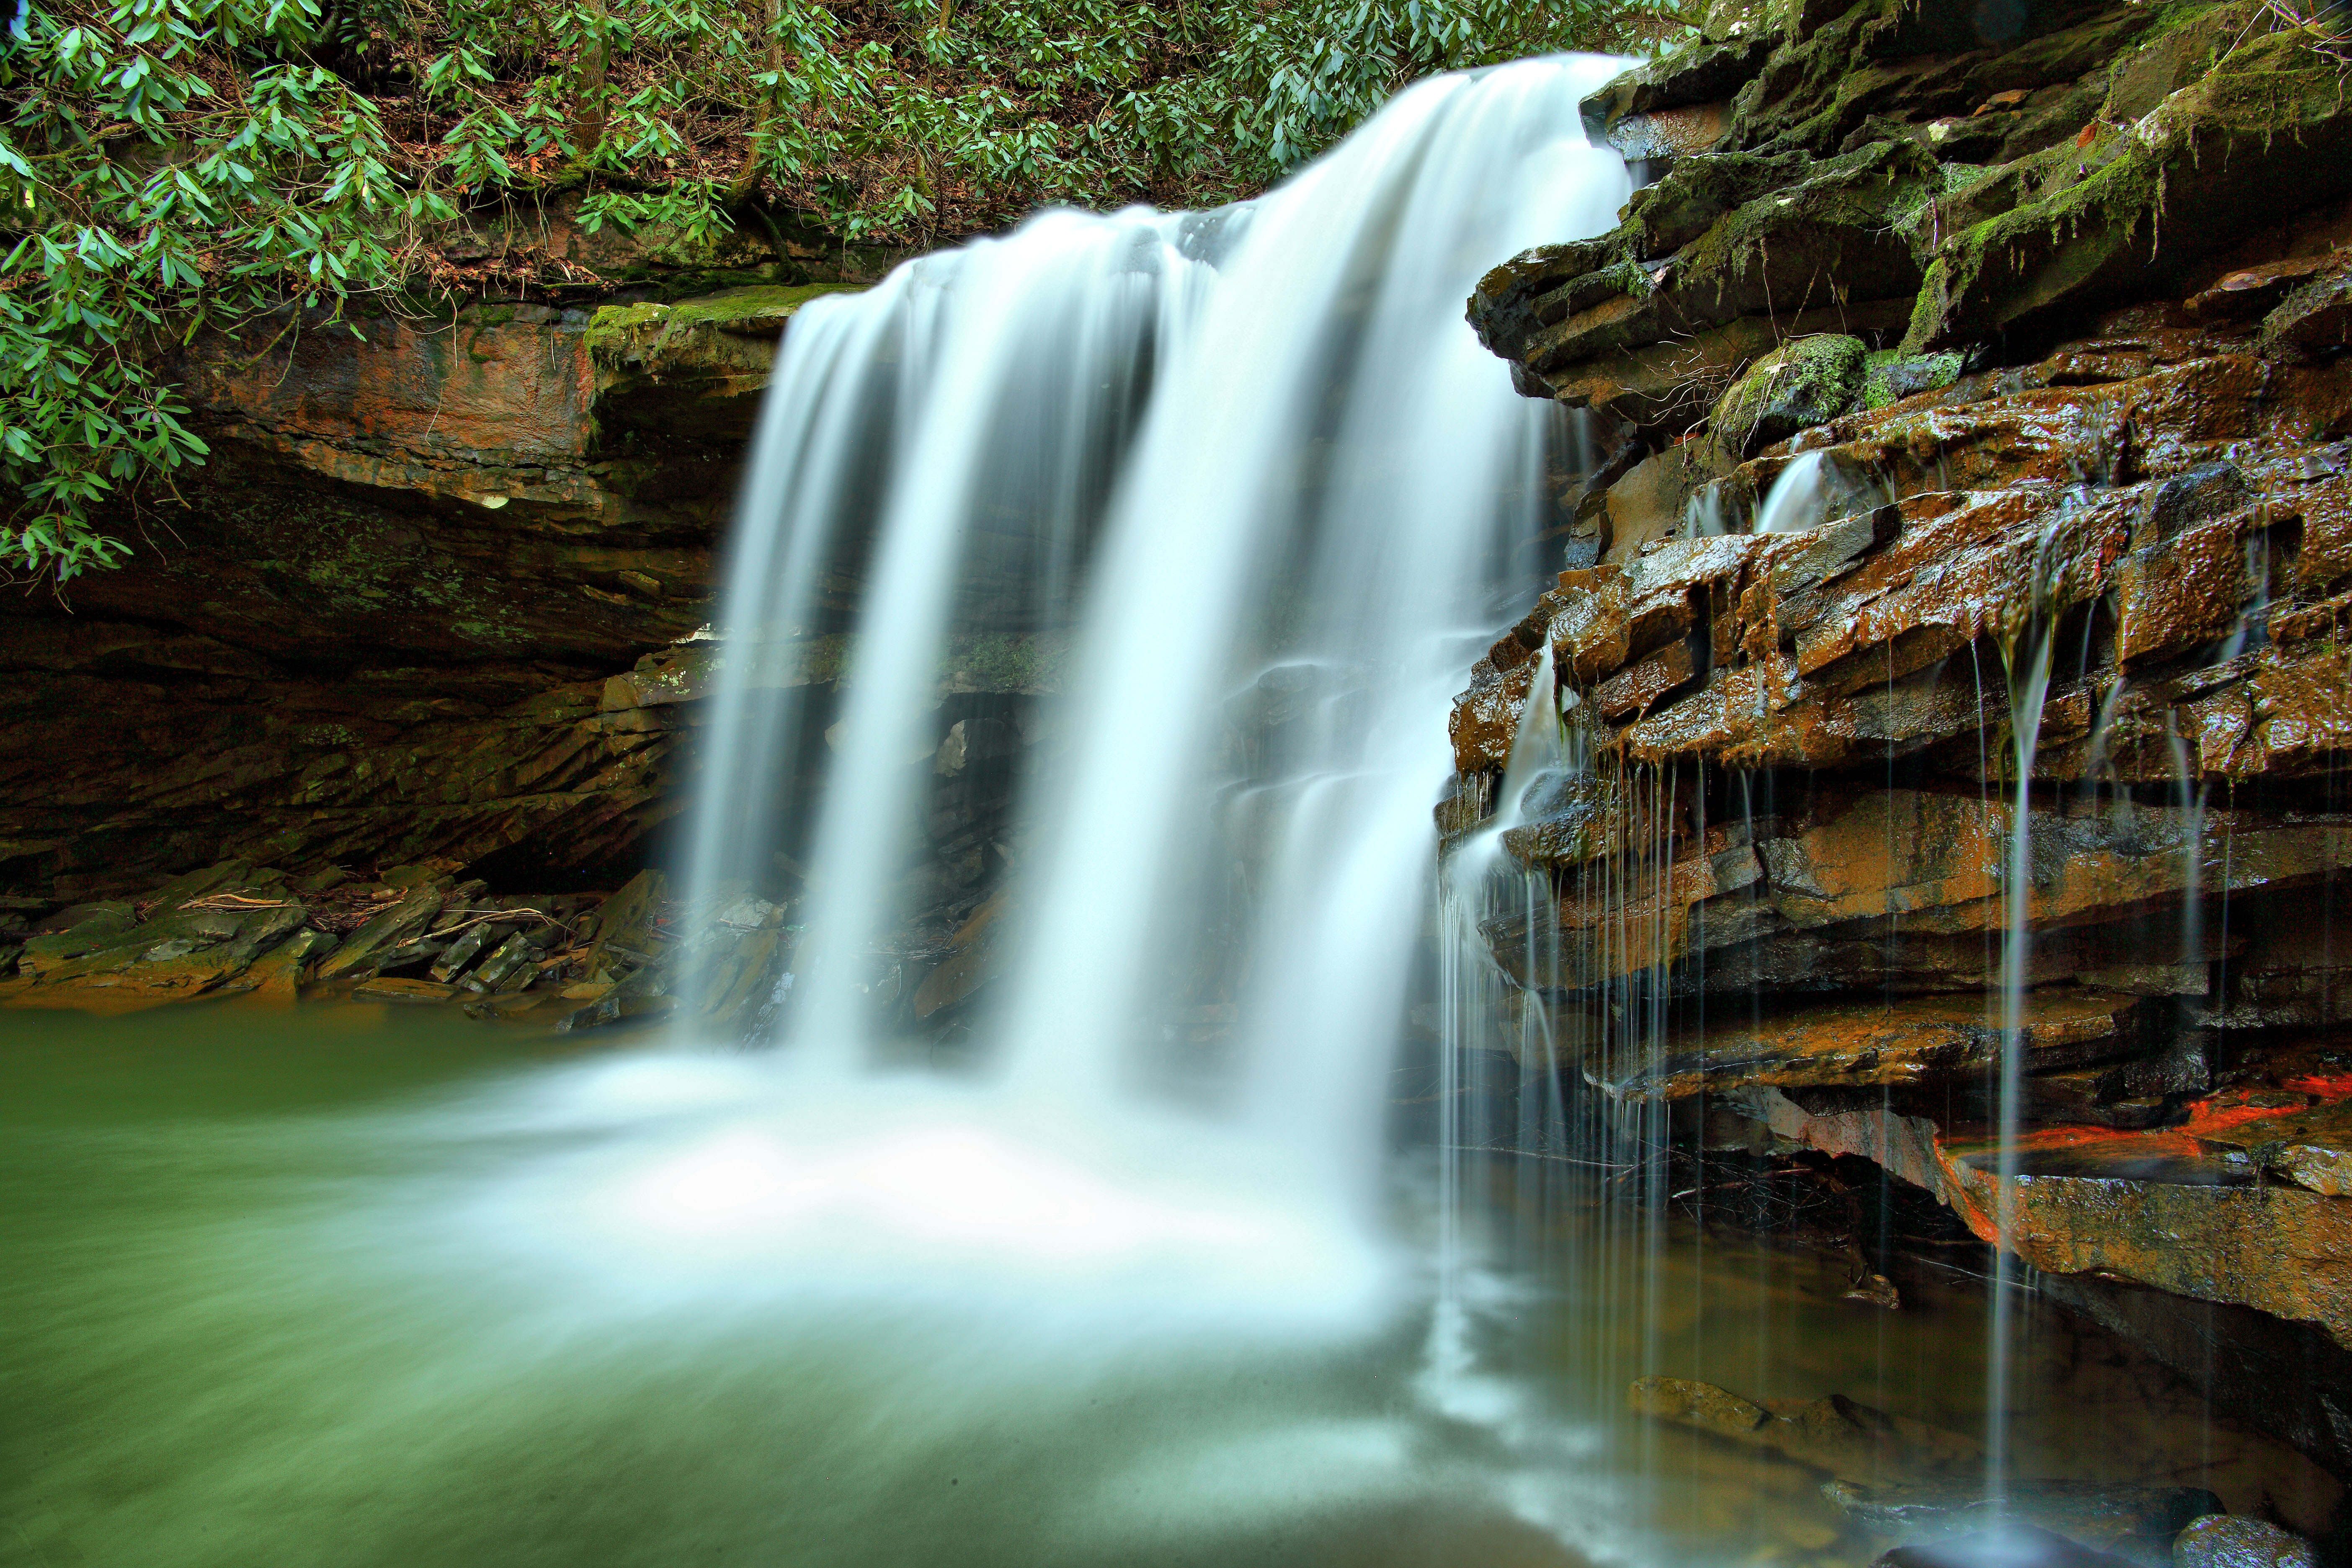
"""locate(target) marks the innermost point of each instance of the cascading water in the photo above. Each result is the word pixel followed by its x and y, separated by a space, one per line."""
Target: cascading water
pixel 1098 598
pixel 1272 459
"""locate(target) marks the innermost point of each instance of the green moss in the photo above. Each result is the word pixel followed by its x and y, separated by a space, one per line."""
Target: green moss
pixel 616 328
pixel 1006 662
pixel 1803 383
pixel 1862 191
pixel 1889 376
pixel 2111 211
pixel 620 333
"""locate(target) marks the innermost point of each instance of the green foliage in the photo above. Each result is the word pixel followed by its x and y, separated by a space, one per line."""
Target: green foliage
pixel 168 166
pixel 163 166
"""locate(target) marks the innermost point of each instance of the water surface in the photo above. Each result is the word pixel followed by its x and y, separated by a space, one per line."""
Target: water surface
pixel 355 1287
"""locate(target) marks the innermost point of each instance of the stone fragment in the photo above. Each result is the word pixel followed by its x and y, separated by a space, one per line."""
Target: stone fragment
pixel 2313 323
pixel 513 1005
pixel 388 930
pixel 1804 383
pixel 466 947
pixel 627 930
pixel 382 988
pixel 277 974
pixel 511 957
pixel 2234 1541
pixel 642 999
pixel 97 926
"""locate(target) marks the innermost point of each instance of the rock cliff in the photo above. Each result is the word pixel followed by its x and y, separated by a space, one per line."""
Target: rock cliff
pixel 434 616
pixel 1976 555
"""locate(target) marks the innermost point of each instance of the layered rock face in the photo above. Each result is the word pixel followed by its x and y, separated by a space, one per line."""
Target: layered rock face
pixel 380 627
pixel 380 630
pixel 438 609
pixel 1956 637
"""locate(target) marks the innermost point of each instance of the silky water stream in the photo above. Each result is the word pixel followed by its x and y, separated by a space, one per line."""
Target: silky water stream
pixel 1196 1239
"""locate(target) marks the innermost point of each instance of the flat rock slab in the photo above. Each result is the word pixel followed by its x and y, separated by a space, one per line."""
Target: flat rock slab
pixel 388 989
pixel 2310 1146
pixel 2157 1207
pixel 1858 1045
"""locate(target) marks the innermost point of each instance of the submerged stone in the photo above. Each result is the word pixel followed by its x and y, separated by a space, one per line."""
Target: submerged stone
pixel 2135 1522
pixel 2005 1546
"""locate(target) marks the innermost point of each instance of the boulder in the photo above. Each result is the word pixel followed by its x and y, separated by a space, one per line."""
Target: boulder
pixel 2234 1541
pixel 1804 383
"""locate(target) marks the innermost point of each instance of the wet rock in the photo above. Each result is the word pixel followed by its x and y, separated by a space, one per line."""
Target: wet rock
pixel 2283 1377
pixel 1706 72
pixel 628 931
pixel 2234 1541
pixel 2163 489
pixel 469 946
pixel 1807 382
pixel 2211 155
pixel 696 367
pixel 199 936
pixel 384 625
pixel 2253 291
pixel 2310 1146
pixel 2156 1206
pixel 97 927
pixel 2134 1522
pixel 641 1000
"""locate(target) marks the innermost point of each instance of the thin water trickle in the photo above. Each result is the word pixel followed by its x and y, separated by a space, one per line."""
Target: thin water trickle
pixel 2029 689
pixel 1796 497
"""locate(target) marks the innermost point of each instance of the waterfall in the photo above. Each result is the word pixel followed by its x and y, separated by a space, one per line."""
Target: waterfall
pixel 1246 489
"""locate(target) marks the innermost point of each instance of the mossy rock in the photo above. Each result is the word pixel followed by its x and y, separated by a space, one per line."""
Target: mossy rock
pixel 1890 375
pixel 1804 383
pixel 641 336
pixel 2267 133
pixel 693 370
